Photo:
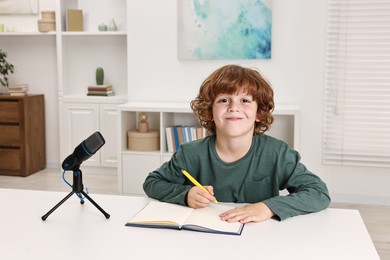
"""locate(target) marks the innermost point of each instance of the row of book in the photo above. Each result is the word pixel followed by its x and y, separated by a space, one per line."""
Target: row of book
pixel 18 90
pixel 177 135
pixel 100 90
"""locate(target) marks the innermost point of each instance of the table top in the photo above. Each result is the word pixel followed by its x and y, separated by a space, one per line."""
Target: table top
pixel 9 97
pixel 75 231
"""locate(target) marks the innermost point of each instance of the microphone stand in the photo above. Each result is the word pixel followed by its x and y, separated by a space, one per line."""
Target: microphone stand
pixel 77 188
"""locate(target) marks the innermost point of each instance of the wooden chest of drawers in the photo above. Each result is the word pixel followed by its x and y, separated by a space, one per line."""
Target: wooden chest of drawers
pixel 22 135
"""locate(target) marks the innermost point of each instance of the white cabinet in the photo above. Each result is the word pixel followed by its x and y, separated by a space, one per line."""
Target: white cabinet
pixel 134 166
pixel 108 122
pixel 79 121
pixel 83 119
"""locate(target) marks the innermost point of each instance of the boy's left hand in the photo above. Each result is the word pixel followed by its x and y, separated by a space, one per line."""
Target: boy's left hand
pixel 249 213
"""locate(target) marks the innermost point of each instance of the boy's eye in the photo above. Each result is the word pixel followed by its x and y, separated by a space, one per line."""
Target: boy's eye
pixel 246 100
pixel 223 100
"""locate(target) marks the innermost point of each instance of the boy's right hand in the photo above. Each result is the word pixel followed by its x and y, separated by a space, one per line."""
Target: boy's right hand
pixel 198 198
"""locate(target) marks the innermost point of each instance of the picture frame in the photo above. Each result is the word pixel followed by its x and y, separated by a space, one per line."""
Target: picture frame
pixel 224 29
pixel 19 7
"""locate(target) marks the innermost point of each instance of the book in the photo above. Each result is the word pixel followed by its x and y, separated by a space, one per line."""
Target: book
pixel 100 87
pixel 158 214
pixel 18 89
pixel 180 135
pixel 176 135
pixel 200 133
pixel 103 94
pixel 74 18
pixel 168 132
pixel 18 93
pixel 176 138
pixel 100 90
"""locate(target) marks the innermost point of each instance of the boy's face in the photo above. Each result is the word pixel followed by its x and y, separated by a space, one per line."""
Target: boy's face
pixel 234 114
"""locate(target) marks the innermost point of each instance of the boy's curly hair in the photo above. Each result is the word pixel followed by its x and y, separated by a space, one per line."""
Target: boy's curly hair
pixel 231 79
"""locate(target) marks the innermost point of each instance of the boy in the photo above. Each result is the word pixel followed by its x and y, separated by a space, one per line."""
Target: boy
pixel 237 161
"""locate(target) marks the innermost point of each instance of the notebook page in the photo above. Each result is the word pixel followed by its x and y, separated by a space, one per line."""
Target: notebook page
pixel 209 217
pixel 156 212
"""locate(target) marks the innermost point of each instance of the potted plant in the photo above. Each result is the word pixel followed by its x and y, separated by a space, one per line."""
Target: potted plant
pixel 5 69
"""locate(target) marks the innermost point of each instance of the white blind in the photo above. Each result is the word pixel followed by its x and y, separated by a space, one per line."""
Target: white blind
pixel 357 83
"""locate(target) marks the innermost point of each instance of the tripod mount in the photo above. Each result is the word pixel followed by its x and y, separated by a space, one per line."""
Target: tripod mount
pixel 77 188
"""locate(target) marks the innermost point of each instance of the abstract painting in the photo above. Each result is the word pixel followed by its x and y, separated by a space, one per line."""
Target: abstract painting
pixel 224 29
pixel 19 6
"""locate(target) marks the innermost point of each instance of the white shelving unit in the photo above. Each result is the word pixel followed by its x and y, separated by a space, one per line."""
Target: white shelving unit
pixel 73 58
pixel 134 166
pixel 78 56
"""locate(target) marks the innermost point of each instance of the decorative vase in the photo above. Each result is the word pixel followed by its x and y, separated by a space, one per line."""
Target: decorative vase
pixel 112 26
pixel 102 27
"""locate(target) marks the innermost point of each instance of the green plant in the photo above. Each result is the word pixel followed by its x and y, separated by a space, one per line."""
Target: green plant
pixel 99 76
pixel 5 68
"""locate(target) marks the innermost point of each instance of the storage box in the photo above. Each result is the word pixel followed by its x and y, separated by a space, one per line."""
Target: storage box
pixel 46 25
pixel 48 15
pixel 149 141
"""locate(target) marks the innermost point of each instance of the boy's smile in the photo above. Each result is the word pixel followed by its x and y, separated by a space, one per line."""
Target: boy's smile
pixel 233 118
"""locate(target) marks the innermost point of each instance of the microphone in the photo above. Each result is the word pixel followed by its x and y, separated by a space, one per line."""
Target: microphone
pixel 83 151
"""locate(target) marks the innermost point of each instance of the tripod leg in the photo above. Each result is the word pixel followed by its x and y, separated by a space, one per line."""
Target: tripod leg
pixel 44 217
pixel 96 205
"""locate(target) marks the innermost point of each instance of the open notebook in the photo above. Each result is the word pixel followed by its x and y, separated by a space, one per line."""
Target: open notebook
pixel 166 215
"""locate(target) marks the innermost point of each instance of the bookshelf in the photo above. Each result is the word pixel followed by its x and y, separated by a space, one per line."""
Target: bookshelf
pixel 78 55
pixel 64 65
pixel 134 166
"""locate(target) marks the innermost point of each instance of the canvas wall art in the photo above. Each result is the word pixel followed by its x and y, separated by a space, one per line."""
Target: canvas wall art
pixel 224 29
pixel 19 6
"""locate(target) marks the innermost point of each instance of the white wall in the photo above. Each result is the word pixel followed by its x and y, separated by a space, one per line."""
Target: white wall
pixel 296 72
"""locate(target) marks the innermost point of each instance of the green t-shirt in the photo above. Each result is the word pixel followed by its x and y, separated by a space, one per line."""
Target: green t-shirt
pixel 269 167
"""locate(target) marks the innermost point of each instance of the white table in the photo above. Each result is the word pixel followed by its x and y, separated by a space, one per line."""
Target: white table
pixel 76 231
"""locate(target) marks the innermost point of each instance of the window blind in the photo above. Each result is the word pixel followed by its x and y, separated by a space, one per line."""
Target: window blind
pixel 357 83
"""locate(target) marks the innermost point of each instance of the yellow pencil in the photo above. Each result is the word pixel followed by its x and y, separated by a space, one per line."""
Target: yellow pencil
pixel 196 183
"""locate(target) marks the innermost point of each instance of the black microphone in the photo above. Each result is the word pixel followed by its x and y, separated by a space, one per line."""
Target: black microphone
pixel 83 151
